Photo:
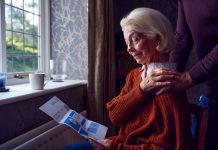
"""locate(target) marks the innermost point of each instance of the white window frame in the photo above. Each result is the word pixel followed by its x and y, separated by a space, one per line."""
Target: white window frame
pixel 44 51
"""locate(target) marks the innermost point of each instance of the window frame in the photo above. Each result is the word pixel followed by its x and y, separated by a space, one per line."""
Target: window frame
pixel 44 40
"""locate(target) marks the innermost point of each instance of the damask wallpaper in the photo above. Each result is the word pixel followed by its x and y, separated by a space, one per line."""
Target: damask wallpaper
pixel 69 35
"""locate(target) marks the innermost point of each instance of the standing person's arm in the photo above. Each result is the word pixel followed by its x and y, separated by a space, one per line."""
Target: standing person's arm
pixel 204 68
pixel 184 43
pixel 183 39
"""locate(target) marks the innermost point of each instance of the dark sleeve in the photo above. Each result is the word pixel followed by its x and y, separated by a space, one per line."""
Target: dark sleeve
pixel 206 67
pixel 184 41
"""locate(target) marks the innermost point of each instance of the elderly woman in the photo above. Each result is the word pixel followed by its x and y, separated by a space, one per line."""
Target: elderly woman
pixel 146 119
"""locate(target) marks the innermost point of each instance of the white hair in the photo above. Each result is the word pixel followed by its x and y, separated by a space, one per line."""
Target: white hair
pixel 151 23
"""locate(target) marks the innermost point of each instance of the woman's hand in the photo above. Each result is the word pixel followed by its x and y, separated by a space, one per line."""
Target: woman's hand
pixel 162 80
pixel 101 144
pixel 106 143
pixel 157 81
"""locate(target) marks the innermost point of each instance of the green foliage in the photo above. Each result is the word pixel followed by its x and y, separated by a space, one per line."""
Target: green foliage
pixel 22 48
pixel 20 57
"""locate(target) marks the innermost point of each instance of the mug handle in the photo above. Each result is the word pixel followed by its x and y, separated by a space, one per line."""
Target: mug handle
pixel 46 81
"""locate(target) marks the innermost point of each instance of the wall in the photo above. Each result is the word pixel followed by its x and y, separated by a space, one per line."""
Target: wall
pixel 22 116
pixel 69 35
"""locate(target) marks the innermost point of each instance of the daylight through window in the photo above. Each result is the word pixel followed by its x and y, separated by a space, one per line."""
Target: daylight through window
pixel 22 35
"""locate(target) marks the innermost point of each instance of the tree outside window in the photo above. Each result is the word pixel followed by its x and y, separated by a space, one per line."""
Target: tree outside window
pixel 22 35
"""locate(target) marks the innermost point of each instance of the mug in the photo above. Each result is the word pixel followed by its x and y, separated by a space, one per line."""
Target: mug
pixel 152 66
pixel 37 81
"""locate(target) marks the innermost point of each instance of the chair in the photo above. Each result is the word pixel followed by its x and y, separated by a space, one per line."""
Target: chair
pixel 201 114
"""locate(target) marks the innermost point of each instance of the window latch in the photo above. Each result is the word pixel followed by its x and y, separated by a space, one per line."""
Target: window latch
pixel 21 75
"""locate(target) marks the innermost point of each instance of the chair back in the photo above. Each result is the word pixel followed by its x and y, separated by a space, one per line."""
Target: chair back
pixel 201 115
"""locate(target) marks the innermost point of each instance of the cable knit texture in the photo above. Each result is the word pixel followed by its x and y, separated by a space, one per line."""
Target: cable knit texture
pixel 149 123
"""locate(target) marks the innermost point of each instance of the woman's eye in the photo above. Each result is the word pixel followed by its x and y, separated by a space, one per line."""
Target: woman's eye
pixel 135 39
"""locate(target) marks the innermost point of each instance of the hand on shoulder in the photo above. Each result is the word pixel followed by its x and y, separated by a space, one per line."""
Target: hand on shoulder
pixel 162 80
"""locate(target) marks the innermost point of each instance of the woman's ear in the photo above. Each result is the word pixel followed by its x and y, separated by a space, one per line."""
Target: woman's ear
pixel 158 42
pixel 158 39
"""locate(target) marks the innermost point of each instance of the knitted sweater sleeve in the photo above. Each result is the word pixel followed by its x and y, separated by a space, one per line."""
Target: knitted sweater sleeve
pixel 182 121
pixel 126 103
pixel 120 146
pixel 175 125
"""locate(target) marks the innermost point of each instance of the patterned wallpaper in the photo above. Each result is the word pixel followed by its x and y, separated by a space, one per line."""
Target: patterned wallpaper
pixel 69 35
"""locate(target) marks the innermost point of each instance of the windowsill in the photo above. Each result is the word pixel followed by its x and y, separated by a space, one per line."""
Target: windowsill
pixel 23 91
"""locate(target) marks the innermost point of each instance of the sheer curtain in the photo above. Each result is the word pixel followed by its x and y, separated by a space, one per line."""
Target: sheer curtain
pixel 101 60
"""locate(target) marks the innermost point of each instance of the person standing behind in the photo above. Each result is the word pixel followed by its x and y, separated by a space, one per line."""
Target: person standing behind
pixel 197 26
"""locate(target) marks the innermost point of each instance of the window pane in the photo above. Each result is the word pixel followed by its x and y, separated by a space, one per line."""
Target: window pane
pixel 8 40
pixel 24 54
pixel 36 25
pixel 22 39
pixel 31 53
pixel 17 43
pixel 10 51
pixel 28 5
pixel 13 63
pixel 35 44
pixel 17 3
pixel 8 17
pixel 17 19
pixel 31 62
pixel 28 43
pixel 10 60
pixel 36 6
pixel 14 55
pixel 16 63
pixel 8 2
pixel 28 22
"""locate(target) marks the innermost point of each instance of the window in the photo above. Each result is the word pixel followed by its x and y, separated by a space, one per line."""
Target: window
pixel 24 37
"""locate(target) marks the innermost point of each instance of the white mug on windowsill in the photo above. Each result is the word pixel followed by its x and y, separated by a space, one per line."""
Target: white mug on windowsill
pixel 37 81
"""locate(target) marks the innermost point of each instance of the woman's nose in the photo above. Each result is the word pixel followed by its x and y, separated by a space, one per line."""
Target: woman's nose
pixel 129 47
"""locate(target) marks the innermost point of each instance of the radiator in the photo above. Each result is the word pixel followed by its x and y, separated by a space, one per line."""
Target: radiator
pixel 52 139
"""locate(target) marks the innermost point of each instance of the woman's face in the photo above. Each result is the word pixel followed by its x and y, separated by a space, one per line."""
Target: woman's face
pixel 142 49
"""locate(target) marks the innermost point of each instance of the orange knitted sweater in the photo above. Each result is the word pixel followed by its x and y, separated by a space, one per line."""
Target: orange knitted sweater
pixel 149 123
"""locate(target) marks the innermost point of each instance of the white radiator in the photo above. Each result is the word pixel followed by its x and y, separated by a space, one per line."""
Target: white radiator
pixel 52 139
